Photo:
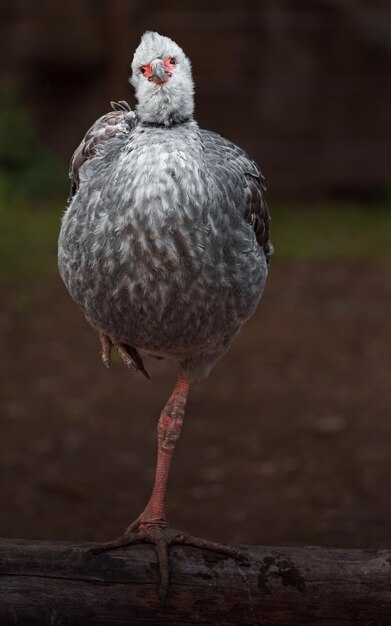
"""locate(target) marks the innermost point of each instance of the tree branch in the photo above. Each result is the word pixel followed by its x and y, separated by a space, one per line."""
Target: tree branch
pixel 59 583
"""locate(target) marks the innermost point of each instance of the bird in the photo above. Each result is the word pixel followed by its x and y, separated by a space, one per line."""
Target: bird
pixel 165 246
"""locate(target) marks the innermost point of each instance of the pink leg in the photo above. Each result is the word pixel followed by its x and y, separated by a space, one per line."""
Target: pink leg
pixel 152 526
pixel 168 432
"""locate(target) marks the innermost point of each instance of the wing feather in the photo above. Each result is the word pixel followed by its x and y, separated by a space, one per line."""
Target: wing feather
pixel 225 155
pixel 118 120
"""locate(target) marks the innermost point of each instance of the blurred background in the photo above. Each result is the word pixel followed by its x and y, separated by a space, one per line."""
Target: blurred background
pixel 288 441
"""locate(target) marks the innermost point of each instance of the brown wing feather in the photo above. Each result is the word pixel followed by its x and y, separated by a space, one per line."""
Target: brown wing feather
pixel 256 211
pixel 103 129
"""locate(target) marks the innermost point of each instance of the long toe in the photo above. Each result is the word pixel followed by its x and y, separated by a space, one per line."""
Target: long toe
pixel 162 538
pixel 147 534
pixel 185 539
pixel 106 346
pixel 126 539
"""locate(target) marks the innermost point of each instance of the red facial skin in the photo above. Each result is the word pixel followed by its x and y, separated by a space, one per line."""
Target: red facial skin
pixel 169 65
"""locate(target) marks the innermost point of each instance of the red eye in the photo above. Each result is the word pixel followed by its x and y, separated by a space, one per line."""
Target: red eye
pixel 143 70
pixel 173 61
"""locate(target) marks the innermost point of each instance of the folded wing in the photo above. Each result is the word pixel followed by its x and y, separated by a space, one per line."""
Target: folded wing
pixel 233 162
pixel 120 119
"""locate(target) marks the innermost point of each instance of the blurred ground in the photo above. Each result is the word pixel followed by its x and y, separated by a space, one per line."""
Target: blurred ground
pixel 287 442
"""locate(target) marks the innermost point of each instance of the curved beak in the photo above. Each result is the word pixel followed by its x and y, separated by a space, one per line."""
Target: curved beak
pixel 158 71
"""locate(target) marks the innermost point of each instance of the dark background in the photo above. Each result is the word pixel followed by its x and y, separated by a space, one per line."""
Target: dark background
pixel 288 441
pixel 303 84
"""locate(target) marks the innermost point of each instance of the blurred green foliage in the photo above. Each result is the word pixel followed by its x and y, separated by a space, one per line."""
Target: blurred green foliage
pixel 332 231
pixel 29 172
pixel 33 190
pixel 28 240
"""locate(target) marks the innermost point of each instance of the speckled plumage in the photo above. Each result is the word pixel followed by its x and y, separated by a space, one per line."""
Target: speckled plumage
pixel 165 243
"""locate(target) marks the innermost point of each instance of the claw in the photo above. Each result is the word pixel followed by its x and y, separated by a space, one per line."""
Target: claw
pixel 138 361
pixel 132 359
pixel 125 356
pixel 128 354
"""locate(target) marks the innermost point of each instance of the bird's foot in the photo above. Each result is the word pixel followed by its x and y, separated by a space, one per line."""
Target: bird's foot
pixel 128 354
pixel 158 533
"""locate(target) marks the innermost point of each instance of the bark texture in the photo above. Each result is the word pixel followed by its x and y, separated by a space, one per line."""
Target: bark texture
pixel 59 583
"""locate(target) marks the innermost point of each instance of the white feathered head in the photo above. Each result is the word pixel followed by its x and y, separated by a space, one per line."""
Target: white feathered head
pixel 162 79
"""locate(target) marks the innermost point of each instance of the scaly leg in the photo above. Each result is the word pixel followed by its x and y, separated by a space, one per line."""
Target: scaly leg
pixel 152 526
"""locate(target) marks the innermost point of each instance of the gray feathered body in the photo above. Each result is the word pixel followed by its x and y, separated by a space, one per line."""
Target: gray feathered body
pixel 165 242
pixel 155 246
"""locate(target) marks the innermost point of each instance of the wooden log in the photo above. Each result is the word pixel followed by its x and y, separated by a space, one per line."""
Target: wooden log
pixel 60 584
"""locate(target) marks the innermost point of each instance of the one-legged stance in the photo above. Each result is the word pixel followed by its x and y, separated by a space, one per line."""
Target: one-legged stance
pixel 152 526
pixel 165 247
